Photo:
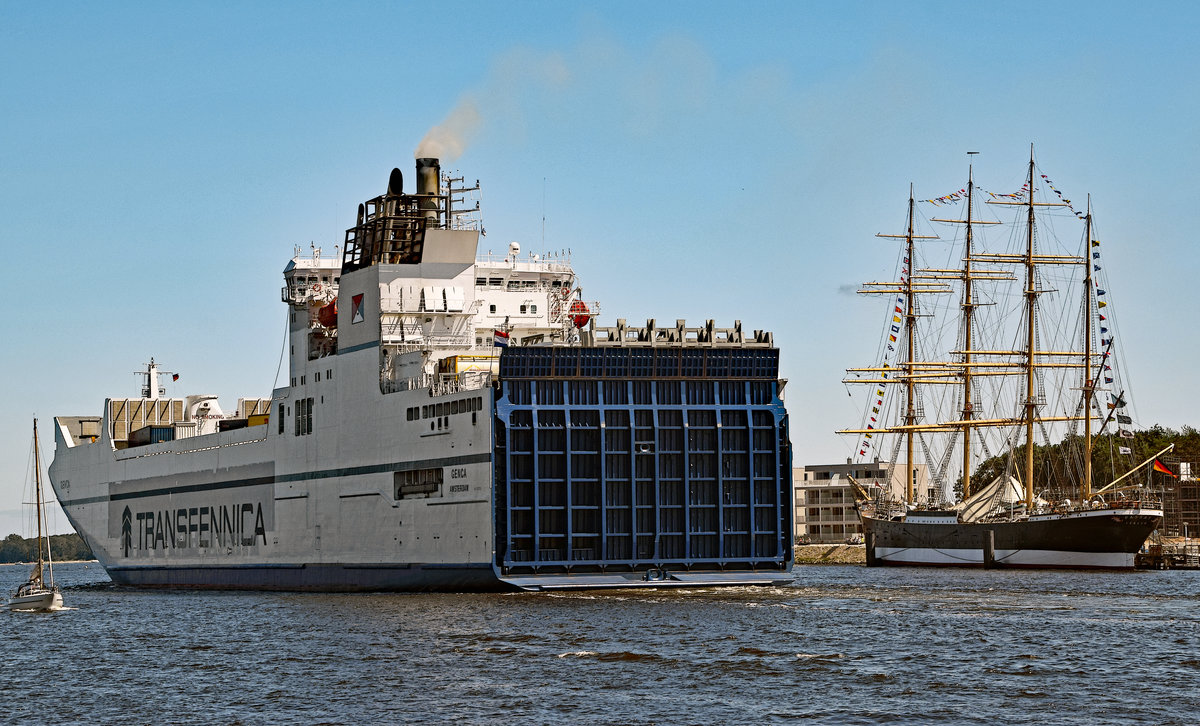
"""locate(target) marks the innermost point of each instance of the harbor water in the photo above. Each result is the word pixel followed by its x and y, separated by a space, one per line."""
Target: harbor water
pixel 840 644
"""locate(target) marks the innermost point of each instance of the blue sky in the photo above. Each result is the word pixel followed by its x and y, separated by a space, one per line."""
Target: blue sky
pixel 702 160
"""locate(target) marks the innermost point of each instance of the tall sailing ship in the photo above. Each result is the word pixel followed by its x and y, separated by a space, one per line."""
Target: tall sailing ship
pixel 970 368
pixel 451 421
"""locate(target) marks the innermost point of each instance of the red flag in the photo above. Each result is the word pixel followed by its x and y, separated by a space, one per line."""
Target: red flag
pixel 174 376
pixel 1162 469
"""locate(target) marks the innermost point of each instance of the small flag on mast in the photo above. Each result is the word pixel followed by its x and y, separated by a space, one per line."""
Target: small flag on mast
pixel 1162 469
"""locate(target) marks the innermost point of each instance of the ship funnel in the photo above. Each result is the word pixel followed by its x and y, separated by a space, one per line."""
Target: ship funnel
pixel 429 173
pixel 396 183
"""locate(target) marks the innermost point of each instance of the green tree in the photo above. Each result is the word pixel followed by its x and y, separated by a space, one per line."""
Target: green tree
pixel 14 549
pixel 1059 467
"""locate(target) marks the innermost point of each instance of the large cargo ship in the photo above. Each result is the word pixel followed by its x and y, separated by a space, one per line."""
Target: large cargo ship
pixel 452 421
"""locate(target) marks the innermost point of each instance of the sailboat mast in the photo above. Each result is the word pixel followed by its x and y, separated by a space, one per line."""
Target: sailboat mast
pixel 37 478
pixel 910 324
pixel 968 307
pixel 1089 383
pixel 1030 322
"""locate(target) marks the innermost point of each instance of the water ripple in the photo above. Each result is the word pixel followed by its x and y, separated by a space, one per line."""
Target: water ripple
pixel 840 645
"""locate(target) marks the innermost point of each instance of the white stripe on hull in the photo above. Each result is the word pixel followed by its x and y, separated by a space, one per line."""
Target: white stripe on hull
pixel 1004 558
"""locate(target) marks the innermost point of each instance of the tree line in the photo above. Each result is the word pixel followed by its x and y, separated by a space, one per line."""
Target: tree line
pixel 15 548
pixel 1059 467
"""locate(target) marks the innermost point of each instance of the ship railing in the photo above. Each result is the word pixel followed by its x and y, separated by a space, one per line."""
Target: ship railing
pixel 441 384
pixel 556 263
pixel 707 336
pixel 397 345
pixel 388 385
pixel 448 383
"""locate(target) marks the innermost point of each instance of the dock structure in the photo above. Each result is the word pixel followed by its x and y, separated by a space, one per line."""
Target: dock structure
pixel 1183 555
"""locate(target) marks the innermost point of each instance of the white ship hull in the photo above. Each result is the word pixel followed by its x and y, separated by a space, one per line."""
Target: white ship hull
pixel 41 601
pixel 249 509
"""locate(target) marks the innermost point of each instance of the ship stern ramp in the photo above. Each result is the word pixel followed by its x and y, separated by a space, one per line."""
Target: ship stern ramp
pixel 643 465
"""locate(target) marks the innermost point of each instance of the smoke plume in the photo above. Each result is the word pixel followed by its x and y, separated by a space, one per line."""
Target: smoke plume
pixel 449 139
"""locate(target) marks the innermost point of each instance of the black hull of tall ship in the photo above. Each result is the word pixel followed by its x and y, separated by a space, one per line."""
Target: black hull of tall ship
pixel 1091 539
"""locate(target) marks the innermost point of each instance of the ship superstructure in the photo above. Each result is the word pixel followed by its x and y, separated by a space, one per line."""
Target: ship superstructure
pixel 450 421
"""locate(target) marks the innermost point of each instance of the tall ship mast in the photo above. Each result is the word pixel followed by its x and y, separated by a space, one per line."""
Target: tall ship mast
pixel 451 420
pixel 1004 409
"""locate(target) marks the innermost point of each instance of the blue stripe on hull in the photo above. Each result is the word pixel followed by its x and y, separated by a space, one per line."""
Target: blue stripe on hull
pixel 317 577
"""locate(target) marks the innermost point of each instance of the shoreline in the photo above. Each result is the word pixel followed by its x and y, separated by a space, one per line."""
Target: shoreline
pixel 830 554
pixel 56 562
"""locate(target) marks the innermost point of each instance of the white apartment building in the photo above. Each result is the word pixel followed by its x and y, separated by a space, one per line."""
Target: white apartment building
pixel 824 499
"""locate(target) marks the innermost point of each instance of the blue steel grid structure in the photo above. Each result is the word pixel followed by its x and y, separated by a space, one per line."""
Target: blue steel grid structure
pixel 620 459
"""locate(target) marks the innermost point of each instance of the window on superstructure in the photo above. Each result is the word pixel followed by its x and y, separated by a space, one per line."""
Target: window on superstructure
pixel 492 309
pixel 281 418
pixel 495 281
pixel 522 309
pixel 304 419
pixel 533 309
pixel 480 281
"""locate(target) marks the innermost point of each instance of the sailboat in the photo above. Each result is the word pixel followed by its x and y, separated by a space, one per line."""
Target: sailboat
pixel 1004 388
pixel 39 593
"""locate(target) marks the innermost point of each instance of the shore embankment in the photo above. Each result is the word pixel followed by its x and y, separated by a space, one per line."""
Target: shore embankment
pixel 830 554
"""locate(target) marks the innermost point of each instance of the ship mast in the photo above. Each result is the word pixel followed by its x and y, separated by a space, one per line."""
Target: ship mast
pixel 968 308
pixel 968 276
pixel 37 478
pixel 1089 383
pixel 909 287
pixel 1031 340
pixel 910 329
